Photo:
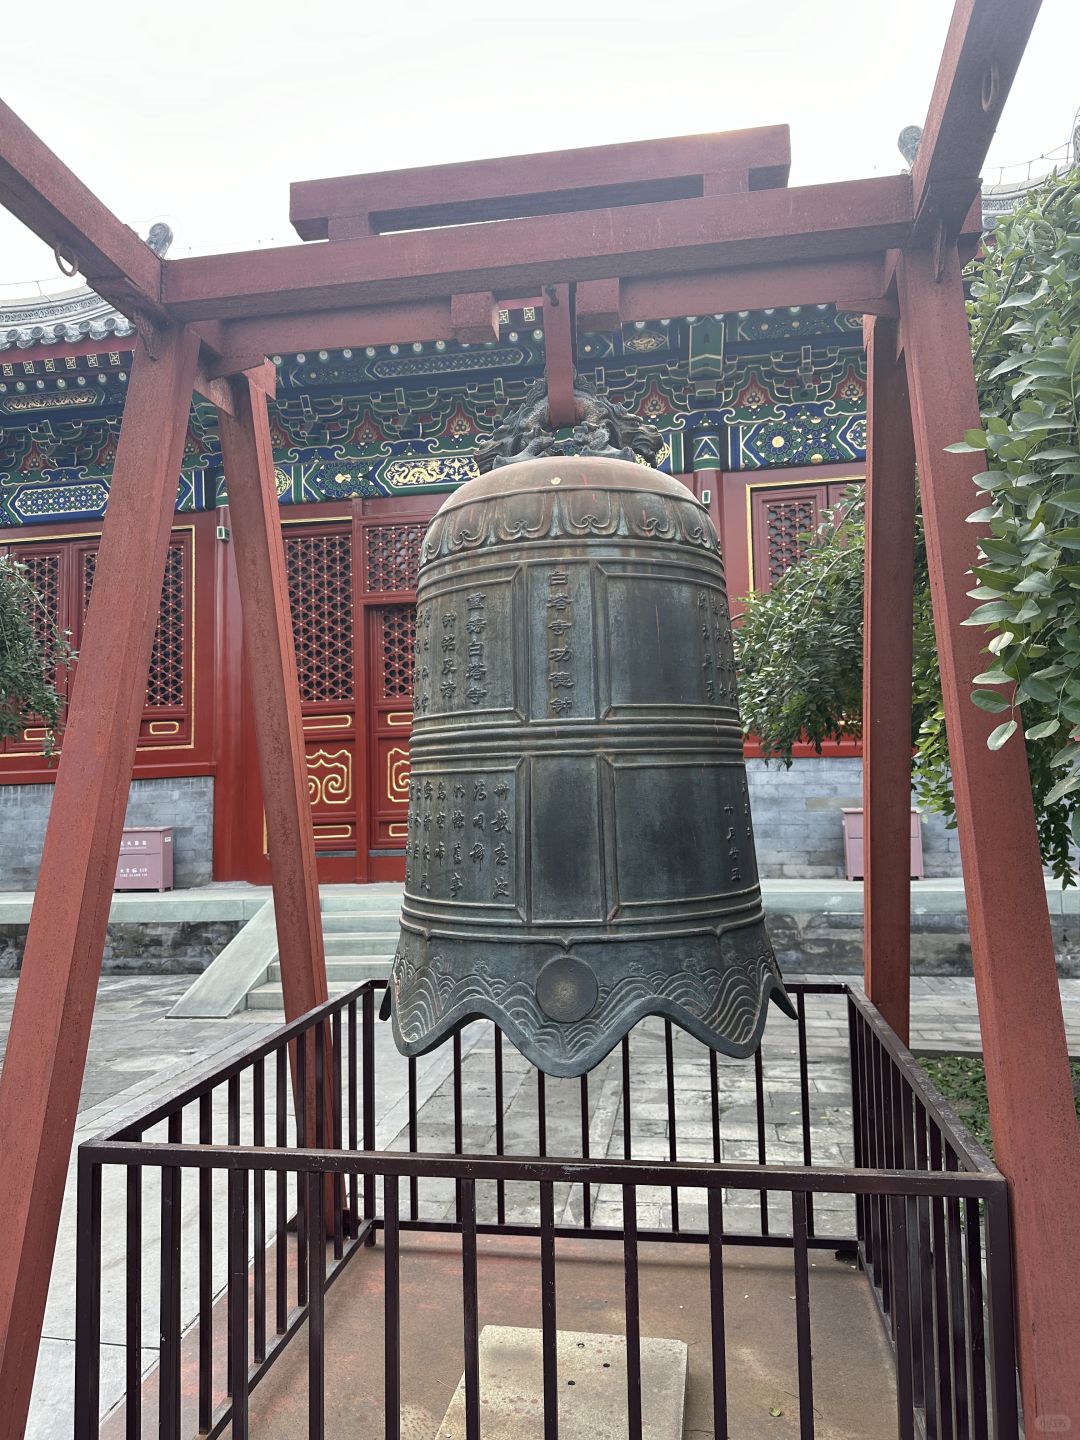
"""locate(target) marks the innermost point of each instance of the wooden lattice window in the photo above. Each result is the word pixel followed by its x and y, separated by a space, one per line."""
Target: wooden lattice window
pixel 396 654
pixel 780 519
pixel 165 687
pixel 784 520
pixel 43 572
pixel 320 591
pixel 393 556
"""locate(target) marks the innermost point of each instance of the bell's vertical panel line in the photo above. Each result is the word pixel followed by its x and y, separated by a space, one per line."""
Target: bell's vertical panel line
pixel 1028 1081
pixel 887 653
pixel 54 1005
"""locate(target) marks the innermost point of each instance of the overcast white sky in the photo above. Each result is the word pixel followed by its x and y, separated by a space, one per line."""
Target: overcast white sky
pixel 201 112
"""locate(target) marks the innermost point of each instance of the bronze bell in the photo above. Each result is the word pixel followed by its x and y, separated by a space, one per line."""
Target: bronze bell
pixel 580 849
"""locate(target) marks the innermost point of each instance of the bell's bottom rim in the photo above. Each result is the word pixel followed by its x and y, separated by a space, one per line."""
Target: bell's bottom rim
pixel 479 1008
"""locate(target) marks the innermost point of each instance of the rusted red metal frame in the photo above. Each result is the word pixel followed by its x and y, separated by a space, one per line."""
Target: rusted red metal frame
pixel 1031 1102
pixel 887 646
pixel 511 186
pixel 248 461
pixel 54 1004
pixel 815 222
pixel 982 50
pixel 1027 1063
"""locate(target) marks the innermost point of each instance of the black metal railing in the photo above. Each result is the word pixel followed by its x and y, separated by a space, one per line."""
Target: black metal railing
pixel 263 1201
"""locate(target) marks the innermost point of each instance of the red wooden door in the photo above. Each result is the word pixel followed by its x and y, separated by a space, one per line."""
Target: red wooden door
pixel 391 553
pixel 319 561
pixel 391 636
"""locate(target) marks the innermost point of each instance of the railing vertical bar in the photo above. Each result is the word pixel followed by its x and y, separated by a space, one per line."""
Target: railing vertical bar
pixel 281 1240
pixel 854 1027
pixel 716 1311
pixel 908 1162
pixel 548 1311
pixel 890 1131
pixel 414 1141
pixel 301 1116
pixel 88 1301
pixel 759 1100
pixel 976 1321
pixel 500 1126
pixel 238 1297
pixel 470 1300
pixel 133 1331
pixel 336 1134
pixel 802 1314
pixel 873 1154
pixel 673 1141
pixel 541 1114
pixel 391 1308
pixel 627 1118
pixel 866 1106
pixel 957 1316
pixel 171 1224
pixel 905 1396
pixel 258 1187
pixel 926 1290
pixel 320 1085
pixel 714 1099
pixel 941 1299
pixel 316 1317
pixel 586 1189
pixel 999 1296
pixel 354 1189
pixel 633 1312
pixel 206 1268
pixel 369 1101
pixel 458 1126
pixel 804 1099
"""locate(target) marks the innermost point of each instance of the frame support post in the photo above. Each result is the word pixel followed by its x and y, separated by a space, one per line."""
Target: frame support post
pixel 279 728
pixel 54 1005
pixel 1027 1064
pixel 887 647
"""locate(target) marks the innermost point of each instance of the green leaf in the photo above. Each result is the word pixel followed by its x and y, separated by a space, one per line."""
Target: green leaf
pixel 996 739
pixel 994 610
pixel 996 676
pixel 1031 687
pixel 1065 786
pixel 1044 729
pixel 990 700
pixel 961 447
pixel 976 439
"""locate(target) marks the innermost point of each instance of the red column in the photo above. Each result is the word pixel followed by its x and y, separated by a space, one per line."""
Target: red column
pixel 54 1006
pixel 1027 1064
pixel 279 728
pixel 890 554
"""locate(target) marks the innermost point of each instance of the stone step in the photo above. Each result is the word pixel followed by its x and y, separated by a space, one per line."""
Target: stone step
pixel 361 942
pixel 352 968
pixel 269 996
pixel 335 898
pixel 385 921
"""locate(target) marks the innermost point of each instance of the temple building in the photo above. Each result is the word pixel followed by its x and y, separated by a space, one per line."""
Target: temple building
pixel 763 418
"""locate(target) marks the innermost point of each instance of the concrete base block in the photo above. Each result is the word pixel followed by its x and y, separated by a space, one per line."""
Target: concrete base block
pixel 592 1387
